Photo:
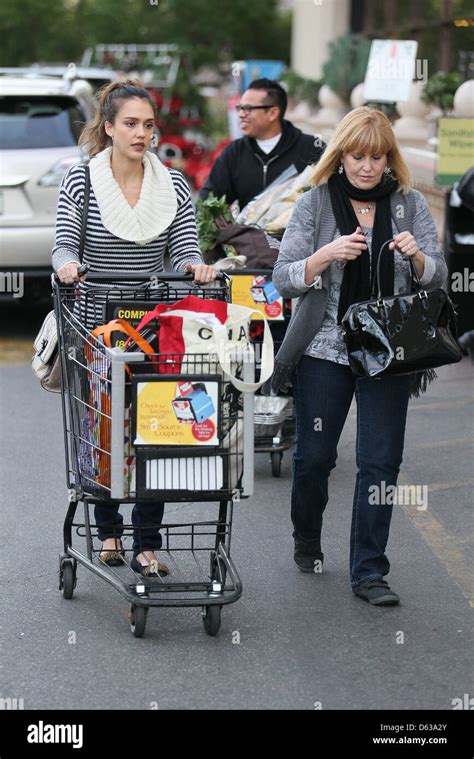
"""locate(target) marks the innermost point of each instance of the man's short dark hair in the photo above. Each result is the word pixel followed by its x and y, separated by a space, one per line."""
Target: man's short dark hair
pixel 276 95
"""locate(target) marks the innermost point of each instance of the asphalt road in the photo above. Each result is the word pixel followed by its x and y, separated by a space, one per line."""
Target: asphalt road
pixel 304 641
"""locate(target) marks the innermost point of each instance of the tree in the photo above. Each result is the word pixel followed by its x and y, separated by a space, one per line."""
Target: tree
pixel 211 32
pixel 212 35
pixel 34 30
pixel 346 65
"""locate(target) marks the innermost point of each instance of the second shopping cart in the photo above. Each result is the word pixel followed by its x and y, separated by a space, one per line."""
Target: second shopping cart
pixel 274 421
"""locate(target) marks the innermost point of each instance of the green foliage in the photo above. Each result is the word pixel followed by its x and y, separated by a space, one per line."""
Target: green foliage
pixel 215 32
pixel 216 125
pixel 300 88
pixel 212 215
pixel 346 65
pixel 212 32
pixel 440 89
pixel 35 30
pixel 389 109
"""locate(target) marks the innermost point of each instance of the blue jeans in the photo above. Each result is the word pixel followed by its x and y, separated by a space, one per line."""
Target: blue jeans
pixel 323 392
pixel 109 521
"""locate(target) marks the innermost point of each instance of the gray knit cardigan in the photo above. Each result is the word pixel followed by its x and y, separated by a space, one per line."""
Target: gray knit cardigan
pixel 313 225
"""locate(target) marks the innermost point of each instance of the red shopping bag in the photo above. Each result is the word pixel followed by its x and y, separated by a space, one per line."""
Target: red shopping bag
pixel 193 330
pixel 172 332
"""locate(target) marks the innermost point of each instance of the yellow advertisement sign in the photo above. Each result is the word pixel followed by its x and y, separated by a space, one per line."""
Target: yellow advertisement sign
pixel 455 149
pixel 181 412
pixel 258 291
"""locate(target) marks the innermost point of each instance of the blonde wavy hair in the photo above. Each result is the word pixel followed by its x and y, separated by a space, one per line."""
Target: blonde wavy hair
pixel 363 130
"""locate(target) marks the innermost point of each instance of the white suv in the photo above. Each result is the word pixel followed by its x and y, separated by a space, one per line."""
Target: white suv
pixel 41 119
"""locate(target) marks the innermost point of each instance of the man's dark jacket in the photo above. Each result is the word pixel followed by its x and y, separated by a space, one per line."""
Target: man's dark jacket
pixel 242 170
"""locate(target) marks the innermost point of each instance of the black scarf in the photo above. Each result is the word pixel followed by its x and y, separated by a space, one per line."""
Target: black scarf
pixel 358 278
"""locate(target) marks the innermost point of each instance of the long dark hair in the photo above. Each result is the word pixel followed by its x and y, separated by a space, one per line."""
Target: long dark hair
pixel 94 138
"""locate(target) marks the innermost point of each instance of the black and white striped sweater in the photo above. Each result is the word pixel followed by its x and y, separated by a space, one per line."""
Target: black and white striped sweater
pixel 104 251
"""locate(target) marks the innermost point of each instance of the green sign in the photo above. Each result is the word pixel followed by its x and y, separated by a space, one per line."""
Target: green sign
pixel 455 149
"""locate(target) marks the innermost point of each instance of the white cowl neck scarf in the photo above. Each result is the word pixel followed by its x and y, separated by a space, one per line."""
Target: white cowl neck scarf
pixel 156 207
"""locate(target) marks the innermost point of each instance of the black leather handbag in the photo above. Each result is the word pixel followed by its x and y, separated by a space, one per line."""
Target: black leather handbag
pixel 401 334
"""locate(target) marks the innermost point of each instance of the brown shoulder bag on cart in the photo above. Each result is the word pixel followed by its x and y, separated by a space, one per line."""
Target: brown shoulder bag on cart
pixel 46 362
pixel 247 241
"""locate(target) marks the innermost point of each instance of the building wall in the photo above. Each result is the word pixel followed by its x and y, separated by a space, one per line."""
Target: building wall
pixel 315 24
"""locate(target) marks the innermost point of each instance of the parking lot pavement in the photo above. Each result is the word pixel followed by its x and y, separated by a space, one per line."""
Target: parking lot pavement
pixel 292 640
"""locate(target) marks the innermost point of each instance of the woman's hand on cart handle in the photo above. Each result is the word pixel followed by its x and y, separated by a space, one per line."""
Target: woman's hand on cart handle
pixel 202 273
pixel 72 272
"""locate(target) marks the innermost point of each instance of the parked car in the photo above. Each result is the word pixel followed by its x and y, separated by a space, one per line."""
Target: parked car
pixel 97 76
pixel 41 119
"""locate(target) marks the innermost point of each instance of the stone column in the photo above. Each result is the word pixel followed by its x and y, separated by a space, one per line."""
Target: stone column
pixel 315 24
pixel 331 112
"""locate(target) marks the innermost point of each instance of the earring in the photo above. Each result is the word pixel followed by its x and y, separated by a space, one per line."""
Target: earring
pixel 340 169
pixel 387 171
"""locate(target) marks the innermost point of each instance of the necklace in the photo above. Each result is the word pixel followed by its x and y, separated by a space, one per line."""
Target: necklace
pixel 365 210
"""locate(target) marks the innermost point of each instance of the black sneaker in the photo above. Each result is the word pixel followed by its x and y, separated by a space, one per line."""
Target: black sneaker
pixel 308 555
pixel 377 592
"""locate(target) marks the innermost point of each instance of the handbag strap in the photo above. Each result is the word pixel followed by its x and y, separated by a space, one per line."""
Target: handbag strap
pixel 85 210
pixel 120 325
pixel 404 223
pixel 414 275
pixel 222 349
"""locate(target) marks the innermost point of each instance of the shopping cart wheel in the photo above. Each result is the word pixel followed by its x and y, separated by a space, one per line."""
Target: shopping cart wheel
pixel 276 458
pixel 67 577
pixel 211 619
pixel 138 620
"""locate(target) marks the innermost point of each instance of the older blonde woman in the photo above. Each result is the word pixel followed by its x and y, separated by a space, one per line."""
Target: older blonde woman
pixel 328 257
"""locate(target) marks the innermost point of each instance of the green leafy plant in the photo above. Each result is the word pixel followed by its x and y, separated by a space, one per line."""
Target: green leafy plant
pixel 346 65
pixel 389 109
pixel 440 88
pixel 212 215
pixel 300 88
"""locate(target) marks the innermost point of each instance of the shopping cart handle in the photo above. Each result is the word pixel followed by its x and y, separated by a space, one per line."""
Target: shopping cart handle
pixel 143 276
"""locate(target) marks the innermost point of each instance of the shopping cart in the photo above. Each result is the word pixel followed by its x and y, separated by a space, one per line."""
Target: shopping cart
pixel 274 418
pixel 109 458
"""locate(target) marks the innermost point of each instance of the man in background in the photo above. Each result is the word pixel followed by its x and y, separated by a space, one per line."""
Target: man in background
pixel 269 146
